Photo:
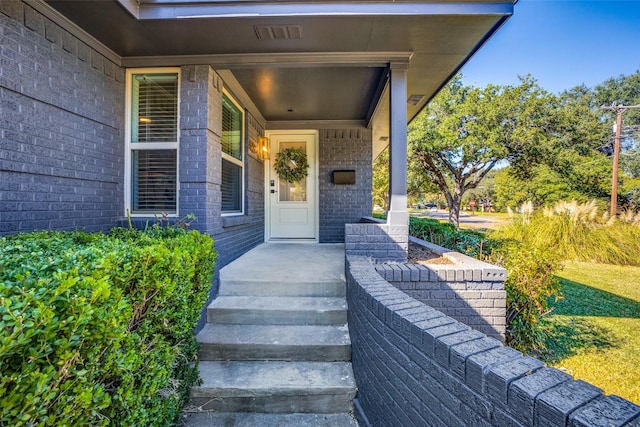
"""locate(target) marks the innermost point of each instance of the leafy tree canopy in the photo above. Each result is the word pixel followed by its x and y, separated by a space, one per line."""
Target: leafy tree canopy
pixel 554 147
pixel 622 90
pixel 466 131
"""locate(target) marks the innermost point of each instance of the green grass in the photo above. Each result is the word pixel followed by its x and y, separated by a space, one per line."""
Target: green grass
pixel 593 332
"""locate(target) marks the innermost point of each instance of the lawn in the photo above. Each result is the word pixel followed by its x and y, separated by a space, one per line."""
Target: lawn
pixel 593 332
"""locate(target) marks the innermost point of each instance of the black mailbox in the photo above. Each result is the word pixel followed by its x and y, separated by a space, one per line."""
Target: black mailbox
pixel 344 177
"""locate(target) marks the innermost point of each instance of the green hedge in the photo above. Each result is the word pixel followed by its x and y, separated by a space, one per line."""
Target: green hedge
pixel 99 329
pixel 445 234
pixel 468 242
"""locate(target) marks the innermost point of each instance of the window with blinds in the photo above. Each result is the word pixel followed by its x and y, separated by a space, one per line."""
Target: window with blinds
pixel 231 129
pixel 154 108
pixel 154 181
pixel 153 143
pixel 232 156
pixel 231 187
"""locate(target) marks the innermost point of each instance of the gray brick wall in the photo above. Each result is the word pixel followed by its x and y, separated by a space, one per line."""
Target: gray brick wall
pixel 415 366
pixel 379 241
pixel 62 139
pixel 201 169
pixel 343 149
pixel 470 291
pixel 61 121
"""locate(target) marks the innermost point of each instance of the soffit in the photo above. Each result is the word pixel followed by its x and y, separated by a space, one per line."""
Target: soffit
pixel 439 37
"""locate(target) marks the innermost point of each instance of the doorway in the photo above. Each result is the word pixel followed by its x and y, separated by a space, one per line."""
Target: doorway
pixel 292 207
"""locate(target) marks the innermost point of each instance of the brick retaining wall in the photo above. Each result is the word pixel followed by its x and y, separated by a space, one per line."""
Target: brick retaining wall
pixel 415 366
pixel 470 291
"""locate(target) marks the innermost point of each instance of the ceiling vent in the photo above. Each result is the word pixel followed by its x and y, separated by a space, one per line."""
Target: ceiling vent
pixel 415 99
pixel 278 32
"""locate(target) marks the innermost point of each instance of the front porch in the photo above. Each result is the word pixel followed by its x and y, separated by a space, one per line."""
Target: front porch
pixel 410 363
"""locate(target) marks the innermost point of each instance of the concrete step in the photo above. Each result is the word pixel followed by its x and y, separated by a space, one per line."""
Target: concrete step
pixel 244 419
pixel 274 342
pixel 275 387
pixel 278 310
pixel 276 287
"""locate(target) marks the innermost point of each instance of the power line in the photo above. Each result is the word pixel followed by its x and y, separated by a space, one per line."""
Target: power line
pixel 619 109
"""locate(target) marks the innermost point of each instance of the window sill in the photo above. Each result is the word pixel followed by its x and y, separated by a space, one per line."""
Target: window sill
pixel 235 220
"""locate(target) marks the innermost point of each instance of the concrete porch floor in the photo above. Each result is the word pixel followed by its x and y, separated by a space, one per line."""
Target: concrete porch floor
pixel 288 262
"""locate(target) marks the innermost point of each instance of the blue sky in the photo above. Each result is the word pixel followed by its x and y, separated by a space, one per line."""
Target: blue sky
pixel 562 44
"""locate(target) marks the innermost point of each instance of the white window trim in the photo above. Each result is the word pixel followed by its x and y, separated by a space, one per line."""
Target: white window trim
pixel 130 146
pixel 235 161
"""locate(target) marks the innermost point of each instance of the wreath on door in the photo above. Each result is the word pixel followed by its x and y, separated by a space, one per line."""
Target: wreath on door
pixel 291 165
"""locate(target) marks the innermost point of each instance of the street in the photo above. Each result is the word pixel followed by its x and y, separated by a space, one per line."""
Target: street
pixel 466 219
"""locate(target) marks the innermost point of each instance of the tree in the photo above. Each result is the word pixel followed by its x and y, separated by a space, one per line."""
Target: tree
pixel 544 187
pixel 380 187
pixel 573 166
pixel 620 90
pixel 417 186
pixel 630 162
pixel 466 131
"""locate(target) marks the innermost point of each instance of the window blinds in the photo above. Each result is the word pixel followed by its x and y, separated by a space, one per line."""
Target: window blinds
pixel 232 156
pixel 231 187
pixel 154 181
pixel 231 129
pixel 155 108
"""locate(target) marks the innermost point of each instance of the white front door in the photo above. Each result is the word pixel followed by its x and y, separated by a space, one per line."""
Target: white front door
pixel 292 207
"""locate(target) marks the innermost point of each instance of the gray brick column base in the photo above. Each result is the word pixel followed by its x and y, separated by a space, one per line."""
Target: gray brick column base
pixel 380 242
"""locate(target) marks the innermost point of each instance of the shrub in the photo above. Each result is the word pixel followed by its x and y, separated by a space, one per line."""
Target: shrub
pixel 468 242
pixel 532 248
pixel 530 283
pixel 98 330
pixel 530 271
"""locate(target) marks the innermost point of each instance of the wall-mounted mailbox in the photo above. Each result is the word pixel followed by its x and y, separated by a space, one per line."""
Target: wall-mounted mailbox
pixel 344 177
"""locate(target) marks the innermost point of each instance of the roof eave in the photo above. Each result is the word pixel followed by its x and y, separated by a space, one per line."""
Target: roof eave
pixel 238 9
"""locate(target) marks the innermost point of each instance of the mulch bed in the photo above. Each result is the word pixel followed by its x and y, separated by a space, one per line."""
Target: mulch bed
pixel 421 255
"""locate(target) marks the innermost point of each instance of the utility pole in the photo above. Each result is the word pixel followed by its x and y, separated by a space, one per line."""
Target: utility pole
pixel 619 109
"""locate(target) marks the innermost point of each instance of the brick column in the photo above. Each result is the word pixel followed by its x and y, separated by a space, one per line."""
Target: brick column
pixel 200 149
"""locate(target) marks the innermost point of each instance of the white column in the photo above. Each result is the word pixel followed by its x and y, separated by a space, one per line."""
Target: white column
pixel 398 214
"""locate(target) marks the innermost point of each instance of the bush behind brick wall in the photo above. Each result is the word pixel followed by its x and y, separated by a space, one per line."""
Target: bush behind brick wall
pixel 97 329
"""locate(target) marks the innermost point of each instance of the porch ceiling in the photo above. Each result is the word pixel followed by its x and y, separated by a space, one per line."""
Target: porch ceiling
pixel 299 61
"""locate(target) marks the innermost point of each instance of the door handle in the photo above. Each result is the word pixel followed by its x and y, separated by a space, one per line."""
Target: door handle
pixel 273 191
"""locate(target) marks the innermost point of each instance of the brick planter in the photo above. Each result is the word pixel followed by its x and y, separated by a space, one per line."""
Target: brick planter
pixel 468 290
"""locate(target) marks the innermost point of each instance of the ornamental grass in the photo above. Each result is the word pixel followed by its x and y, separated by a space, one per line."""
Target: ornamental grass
pixel 579 232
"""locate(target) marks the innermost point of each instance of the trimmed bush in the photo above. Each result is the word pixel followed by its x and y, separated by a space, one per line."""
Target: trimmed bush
pixel 468 242
pixel 530 284
pixel 99 329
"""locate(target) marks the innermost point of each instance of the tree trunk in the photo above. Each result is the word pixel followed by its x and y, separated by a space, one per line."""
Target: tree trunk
pixel 454 213
pixel 454 201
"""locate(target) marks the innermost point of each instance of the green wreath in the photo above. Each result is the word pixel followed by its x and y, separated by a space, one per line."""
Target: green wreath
pixel 291 164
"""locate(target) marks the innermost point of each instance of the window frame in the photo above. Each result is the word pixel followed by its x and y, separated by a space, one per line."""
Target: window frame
pixel 232 159
pixel 130 146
